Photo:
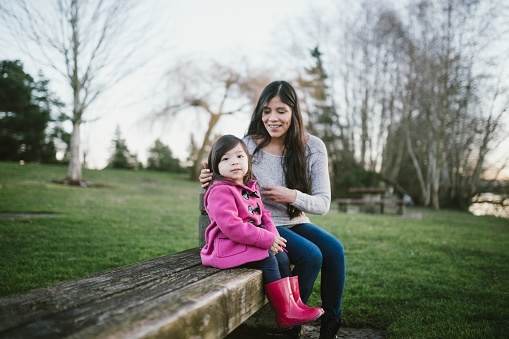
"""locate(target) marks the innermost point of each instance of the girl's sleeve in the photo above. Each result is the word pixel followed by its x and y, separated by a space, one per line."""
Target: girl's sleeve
pixel 222 209
pixel 318 202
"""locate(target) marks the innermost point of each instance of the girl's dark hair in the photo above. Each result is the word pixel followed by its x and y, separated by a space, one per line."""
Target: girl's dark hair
pixel 219 148
pixel 294 152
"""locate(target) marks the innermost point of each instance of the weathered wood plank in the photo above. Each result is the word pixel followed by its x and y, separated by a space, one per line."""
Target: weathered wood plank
pixel 36 304
pixel 71 320
pixel 208 309
pixel 148 306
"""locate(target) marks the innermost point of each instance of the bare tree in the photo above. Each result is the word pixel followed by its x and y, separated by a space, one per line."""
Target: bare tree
pixel 92 45
pixel 449 40
pixel 415 93
pixel 214 90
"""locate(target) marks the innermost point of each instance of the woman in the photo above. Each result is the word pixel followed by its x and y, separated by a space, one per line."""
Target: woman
pixel 292 168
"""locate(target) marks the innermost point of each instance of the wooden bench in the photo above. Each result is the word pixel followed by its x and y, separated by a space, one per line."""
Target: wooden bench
pixel 173 296
pixel 368 205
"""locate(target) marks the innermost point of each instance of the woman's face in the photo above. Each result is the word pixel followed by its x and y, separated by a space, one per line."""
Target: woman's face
pixel 277 118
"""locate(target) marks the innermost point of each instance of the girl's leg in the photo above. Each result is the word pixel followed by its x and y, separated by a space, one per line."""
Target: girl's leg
pixel 306 257
pixel 333 267
pixel 269 267
pixel 279 293
pixel 284 264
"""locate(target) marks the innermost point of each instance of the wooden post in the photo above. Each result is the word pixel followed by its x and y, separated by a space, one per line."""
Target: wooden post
pixel 401 208
pixel 204 221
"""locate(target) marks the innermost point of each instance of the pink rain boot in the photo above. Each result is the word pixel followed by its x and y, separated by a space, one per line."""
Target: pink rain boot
pixel 288 314
pixel 294 284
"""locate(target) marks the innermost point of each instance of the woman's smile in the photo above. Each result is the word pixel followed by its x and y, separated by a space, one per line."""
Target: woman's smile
pixel 277 117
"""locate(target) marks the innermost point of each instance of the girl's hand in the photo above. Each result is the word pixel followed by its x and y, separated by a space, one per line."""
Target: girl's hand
pixel 279 194
pixel 278 244
pixel 205 175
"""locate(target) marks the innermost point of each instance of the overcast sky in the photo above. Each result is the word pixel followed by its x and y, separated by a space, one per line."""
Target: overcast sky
pixel 226 30
pixel 219 29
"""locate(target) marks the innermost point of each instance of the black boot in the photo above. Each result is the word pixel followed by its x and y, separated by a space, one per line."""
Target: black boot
pixel 329 328
pixel 293 333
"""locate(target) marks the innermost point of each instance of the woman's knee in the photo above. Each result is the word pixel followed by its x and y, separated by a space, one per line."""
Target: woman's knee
pixel 334 249
pixel 315 258
pixel 338 247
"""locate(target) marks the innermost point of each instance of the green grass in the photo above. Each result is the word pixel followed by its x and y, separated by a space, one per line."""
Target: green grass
pixel 443 276
pixel 138 216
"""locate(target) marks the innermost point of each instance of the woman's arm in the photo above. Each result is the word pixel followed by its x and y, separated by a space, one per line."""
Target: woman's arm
pixel 205 175
pixel 318 202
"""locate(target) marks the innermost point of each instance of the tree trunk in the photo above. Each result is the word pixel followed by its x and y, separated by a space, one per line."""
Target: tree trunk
pixel 396 165
pixel 435 179
pixel 74 176
pixel 195 173
pixel 364 128
pixel 415 162
pixel 480 160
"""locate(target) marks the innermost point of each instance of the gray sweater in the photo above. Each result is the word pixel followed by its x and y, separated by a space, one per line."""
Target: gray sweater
pixel 269 171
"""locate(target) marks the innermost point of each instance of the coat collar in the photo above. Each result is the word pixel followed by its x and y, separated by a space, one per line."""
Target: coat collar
pixel 251 186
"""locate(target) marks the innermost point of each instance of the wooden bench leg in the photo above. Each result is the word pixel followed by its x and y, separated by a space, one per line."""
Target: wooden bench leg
pixel 401 209
pixel 343 207
pixel 368 207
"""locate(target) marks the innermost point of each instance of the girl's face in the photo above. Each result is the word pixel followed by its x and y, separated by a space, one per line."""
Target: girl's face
pixel 277 118
pixel 234 164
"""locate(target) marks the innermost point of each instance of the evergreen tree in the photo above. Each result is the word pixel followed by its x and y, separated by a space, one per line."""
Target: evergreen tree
pixel 323 118
pixel 25 112
pixel 324 122
pixel 121 157
pixel 161 159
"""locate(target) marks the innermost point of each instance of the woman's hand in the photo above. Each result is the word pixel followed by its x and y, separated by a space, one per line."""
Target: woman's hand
pixel 278 244
pixel 278 194
pixel 205 175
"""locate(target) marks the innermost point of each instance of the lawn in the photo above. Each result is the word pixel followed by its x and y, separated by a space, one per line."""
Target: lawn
pixel 445 275
pixel 136 216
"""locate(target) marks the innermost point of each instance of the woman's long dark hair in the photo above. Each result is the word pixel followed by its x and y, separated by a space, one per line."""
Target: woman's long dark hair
pixel 219 148
pixel 294 151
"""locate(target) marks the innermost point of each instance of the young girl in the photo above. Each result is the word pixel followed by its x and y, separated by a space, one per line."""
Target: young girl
pixel 242 233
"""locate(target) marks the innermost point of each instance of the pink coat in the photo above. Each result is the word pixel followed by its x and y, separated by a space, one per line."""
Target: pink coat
pixel 236 235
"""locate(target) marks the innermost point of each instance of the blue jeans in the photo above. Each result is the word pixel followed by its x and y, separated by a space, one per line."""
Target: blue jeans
pixel 309 249
pixel 274 267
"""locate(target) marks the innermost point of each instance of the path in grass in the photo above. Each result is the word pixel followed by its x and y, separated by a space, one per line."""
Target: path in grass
pixel 27 215
pixel 312 332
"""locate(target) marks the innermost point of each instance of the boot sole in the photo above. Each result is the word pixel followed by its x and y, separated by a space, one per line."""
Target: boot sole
pixel 307 322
